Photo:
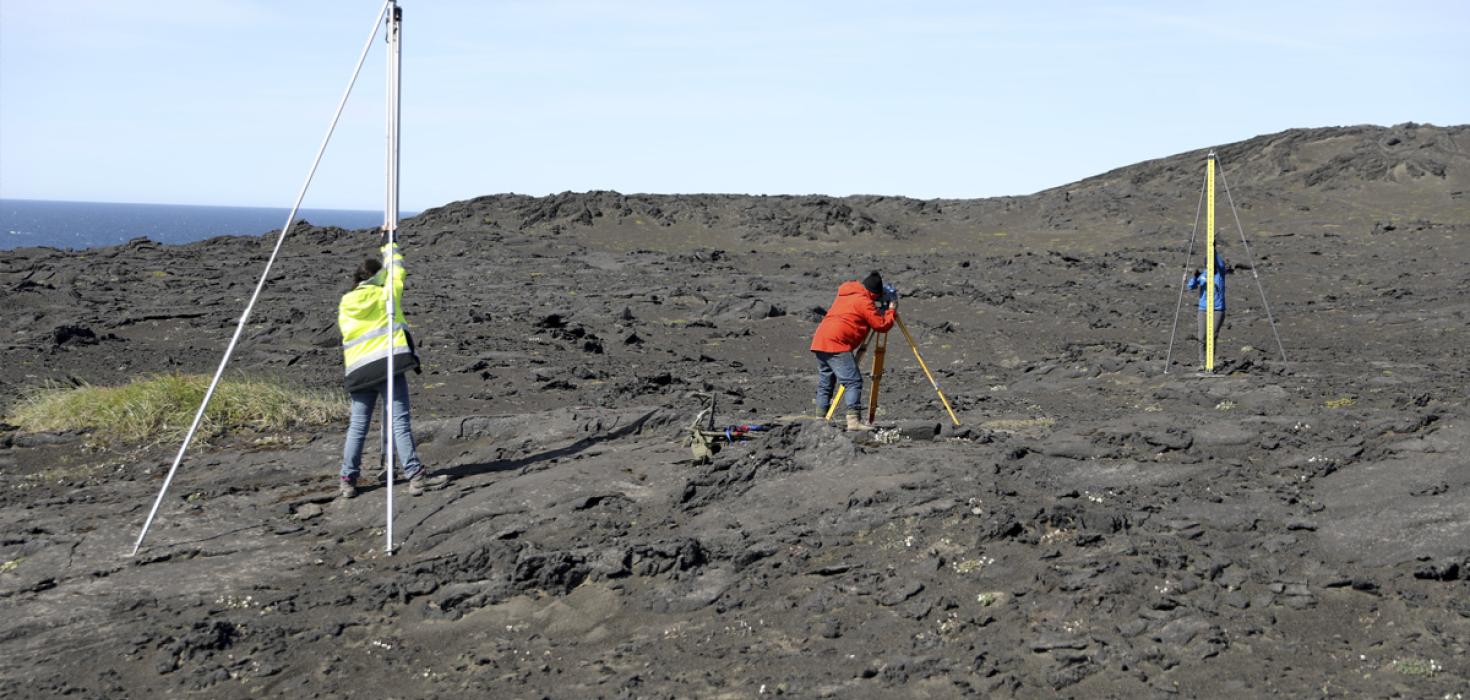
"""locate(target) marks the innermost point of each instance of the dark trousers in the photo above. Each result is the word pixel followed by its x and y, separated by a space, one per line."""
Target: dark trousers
pixel 1219 321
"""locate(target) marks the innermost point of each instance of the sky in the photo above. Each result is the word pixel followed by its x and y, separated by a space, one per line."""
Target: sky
pixel 224 102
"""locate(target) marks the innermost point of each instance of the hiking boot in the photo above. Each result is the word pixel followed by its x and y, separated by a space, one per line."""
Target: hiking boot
pixel 855 424
pixel 347 488
pixel 422 482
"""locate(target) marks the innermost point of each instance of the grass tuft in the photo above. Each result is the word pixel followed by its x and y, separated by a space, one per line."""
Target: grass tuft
pixel 161 407
pixel 1427 668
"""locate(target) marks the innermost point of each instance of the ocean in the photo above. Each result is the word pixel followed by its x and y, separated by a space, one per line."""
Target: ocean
pixel 77 225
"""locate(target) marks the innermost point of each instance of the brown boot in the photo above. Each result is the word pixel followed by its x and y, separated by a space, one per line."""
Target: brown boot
pixel 855 424
pixel 422 482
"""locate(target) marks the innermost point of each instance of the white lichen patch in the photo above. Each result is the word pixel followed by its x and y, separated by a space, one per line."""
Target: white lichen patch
pixel 230 602
pixel 977 506
pixel 965 567
pixel 950 624
pixel 989 598
pixel 1052 536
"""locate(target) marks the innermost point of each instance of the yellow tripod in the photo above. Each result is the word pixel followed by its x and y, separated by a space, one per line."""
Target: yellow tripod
pixel 879 342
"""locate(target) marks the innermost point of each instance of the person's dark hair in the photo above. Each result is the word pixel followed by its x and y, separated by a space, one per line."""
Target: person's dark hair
pixel 366 270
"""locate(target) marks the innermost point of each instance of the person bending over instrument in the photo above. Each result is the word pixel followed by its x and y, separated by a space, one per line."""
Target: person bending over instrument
pixel 853 314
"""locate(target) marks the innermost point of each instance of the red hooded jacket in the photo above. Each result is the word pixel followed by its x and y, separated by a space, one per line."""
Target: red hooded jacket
pixel 848 321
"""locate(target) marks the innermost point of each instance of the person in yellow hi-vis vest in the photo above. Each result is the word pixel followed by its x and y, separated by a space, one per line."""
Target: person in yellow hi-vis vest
pixel 367 339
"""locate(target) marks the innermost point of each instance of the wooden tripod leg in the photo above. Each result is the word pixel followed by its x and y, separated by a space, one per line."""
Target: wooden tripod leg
pixel 913 346
pixel 857 360
pixel 880 347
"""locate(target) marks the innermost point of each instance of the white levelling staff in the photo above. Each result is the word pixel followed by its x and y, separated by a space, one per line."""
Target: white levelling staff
pixel 367 339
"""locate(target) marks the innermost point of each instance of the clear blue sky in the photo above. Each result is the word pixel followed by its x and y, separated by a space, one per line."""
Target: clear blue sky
pixel 225 101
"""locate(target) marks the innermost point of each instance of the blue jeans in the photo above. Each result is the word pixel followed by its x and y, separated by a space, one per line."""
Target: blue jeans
pixel 834 367
pixel 363 402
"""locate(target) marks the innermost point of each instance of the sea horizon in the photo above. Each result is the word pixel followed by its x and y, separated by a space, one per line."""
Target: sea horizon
pixel 79 225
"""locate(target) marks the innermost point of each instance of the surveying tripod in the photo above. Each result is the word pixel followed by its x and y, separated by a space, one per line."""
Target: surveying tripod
pixel 879 342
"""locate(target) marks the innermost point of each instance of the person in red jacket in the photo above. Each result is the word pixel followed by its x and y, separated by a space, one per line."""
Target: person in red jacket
pixel 852 315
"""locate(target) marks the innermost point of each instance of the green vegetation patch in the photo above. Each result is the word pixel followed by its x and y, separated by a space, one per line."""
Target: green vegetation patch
pixel 161 407
pixel 1428 668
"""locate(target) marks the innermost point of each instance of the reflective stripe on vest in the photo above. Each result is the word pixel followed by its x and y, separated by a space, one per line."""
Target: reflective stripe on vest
pixel 374 357
pixel 374 345
pixel 373 334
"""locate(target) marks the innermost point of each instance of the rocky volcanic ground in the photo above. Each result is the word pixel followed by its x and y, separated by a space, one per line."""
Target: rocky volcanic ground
pixel 1097 527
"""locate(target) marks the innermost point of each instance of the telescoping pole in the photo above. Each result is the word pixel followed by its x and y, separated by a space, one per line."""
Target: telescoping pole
pixel 390 225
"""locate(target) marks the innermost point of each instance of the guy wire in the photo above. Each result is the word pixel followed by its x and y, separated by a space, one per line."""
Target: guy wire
pixel 1250 258
pixel 245 317
pixel 1189 253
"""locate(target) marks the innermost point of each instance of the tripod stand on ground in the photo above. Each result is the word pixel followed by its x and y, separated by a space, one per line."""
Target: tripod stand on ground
pixel 879 342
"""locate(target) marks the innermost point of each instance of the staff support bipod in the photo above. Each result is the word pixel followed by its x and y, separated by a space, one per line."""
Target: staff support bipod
pixel 1207 198
pixel 260 284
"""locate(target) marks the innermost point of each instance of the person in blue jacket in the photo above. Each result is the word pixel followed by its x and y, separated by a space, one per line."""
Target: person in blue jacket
pixel 1197 280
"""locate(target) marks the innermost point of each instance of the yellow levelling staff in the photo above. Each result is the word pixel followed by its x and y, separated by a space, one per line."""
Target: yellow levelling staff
pixel 1209 262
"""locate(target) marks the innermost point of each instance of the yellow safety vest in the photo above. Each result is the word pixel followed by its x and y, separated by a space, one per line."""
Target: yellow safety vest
pixel 363 319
